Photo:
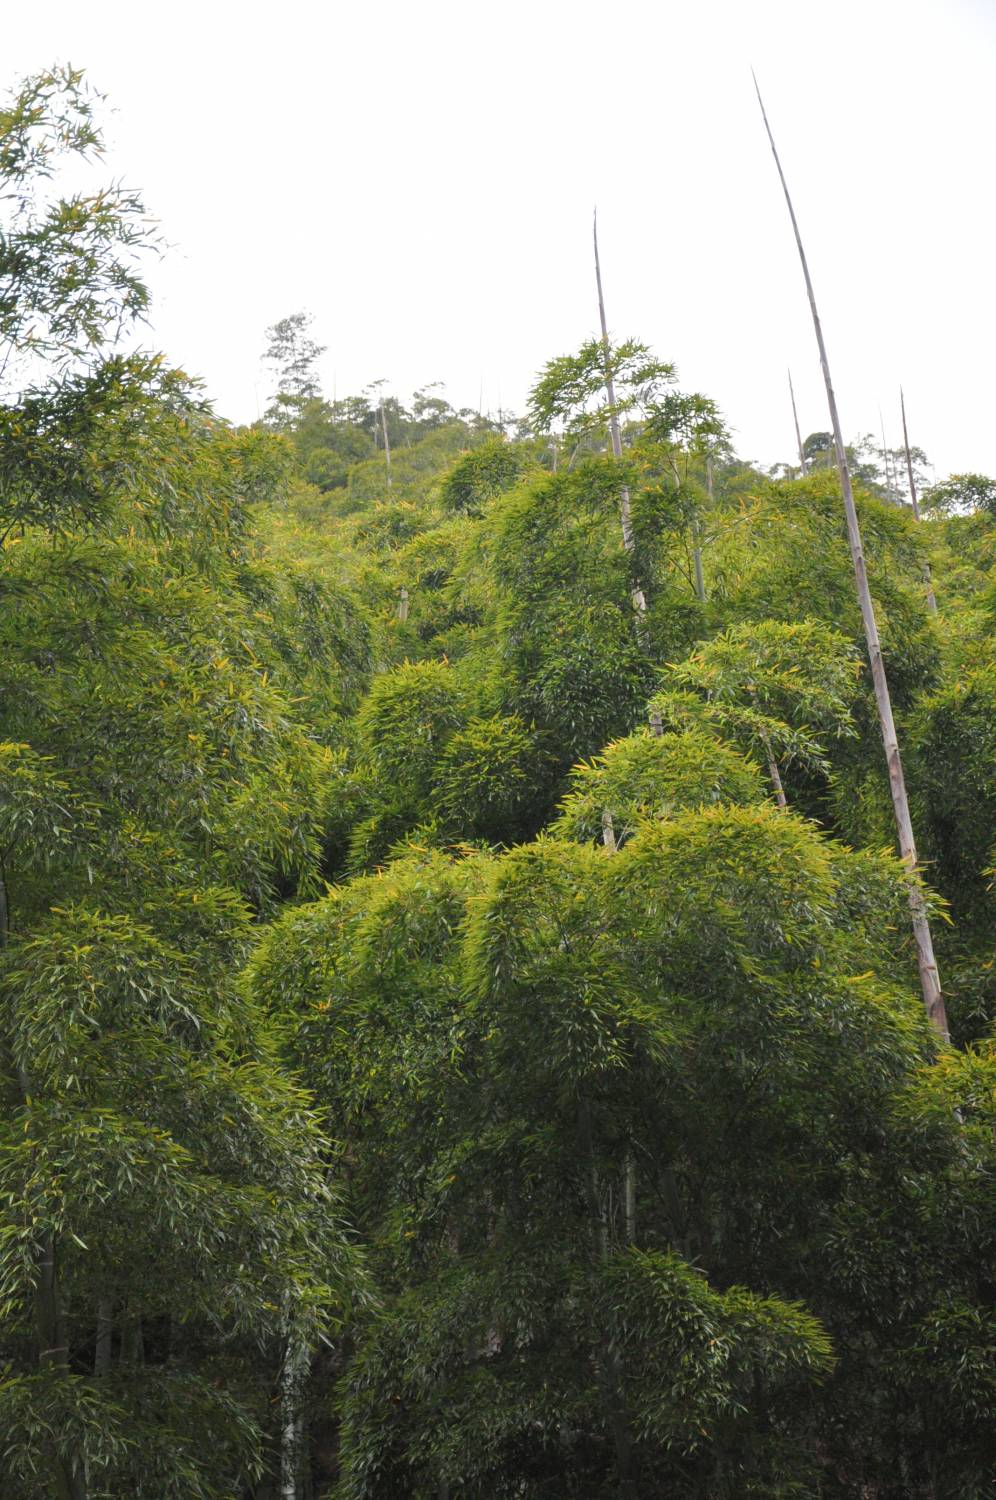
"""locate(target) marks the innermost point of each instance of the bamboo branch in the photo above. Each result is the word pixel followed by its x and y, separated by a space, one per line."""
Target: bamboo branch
pixel 929 979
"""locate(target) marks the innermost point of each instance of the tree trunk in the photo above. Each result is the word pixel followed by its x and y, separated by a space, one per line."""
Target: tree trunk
pixel 798 434
pixel 929 979
pixel 931 600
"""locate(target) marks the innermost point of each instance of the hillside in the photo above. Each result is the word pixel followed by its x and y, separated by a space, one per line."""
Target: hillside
pixel 462 1028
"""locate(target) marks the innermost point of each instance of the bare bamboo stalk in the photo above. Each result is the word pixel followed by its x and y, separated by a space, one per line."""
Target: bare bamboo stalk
pixel 637 595
pixel 105 1333
pixel 614 1359
pixel 629 1196
pixel 612 1373
pixel 387 446
pixel 931 598
pixel 615 436
pixel 885 456
pixel 929 979
pixel 909 459
pixel 891 475
pixel 629 1165
pixel 293 1377
pixel 700 589
pixel 610 391
pixel 773 771
pixel 798 434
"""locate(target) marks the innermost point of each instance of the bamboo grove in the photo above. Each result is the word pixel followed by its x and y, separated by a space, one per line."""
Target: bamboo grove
pixel 462 1033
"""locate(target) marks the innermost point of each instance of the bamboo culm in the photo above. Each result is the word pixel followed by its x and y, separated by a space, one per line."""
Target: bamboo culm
pixel 639 598
pixel 700 588
pixel 387 445
pixel 615 436
pixel 293 1378
pixel 798 434
pixel 931 599
pixel 929 979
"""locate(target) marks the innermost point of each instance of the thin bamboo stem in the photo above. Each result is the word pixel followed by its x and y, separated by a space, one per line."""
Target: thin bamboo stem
pixel 637 595
pixel 387 445
pixel 773 771
pixel 929 979
pixel 615 436
pixel 700 588
pixel 931 597
pixel 798 435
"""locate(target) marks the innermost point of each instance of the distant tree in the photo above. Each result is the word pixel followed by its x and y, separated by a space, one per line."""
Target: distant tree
pixel 961 494
pixel 866 461
pixel 293 356
pixel 429 410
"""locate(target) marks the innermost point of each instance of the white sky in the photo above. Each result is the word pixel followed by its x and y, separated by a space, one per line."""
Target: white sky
pixel 421 178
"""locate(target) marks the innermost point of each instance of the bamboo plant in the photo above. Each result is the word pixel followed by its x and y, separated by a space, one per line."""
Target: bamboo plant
pixel 929 978
pixel 931 599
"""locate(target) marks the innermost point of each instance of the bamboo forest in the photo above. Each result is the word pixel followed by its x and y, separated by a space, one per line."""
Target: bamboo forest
pixel 497 916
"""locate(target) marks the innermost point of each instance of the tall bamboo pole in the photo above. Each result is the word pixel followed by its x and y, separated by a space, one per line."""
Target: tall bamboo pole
pixel 637 595
pixel 891 488
pixel 615 436
pixel 798 434
pixel 909 459
pixel 700 588
pixel 387 445
pixel 929 979
pixel 610 391
pixel 931 599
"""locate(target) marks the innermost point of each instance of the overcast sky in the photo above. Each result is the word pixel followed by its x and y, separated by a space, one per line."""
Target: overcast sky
pixel 421 178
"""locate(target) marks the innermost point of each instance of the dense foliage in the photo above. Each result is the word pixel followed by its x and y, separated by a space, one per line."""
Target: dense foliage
pixel 460 1031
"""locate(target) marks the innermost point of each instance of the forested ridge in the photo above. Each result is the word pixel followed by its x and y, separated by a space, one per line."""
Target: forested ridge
pixel 462 1034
